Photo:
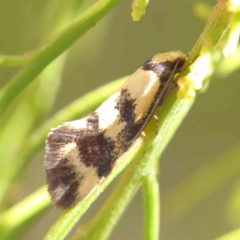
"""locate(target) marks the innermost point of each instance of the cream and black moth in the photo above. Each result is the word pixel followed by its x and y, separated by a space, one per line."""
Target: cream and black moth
pixel 81 154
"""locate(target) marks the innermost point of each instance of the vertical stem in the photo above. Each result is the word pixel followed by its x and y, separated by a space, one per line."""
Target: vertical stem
pixel 151 196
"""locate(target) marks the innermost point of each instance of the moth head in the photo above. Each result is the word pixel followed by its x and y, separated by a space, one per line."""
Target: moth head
pixel 172 58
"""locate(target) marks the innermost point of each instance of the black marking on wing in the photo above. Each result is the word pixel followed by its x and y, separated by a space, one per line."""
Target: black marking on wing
pixel 157 68
pixel 63 184
pixel 62 179
pixel 126 106
pixel 163 69
pixel 94 148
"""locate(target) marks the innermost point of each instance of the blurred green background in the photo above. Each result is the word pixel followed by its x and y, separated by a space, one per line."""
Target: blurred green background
pixel 116 47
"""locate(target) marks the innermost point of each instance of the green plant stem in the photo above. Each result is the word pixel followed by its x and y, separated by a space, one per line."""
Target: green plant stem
pixel 14 220
pixel 169 125
pixel 213 32
pixel 37 139
pixel 11 60
pixel 151 195
pixel 215 29
pixel 53 49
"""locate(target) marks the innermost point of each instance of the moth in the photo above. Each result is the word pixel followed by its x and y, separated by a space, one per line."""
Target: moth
pixel 80 154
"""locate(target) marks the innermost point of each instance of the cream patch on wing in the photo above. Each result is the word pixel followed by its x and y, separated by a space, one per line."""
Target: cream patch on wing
pixel 142 86
pixel 107 112
pixel 77 124
pixel 108 116
pixel 113 130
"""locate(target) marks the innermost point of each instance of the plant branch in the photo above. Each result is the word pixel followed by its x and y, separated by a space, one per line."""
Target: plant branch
pixel 53 49
pixel 11 60
pixel 151 195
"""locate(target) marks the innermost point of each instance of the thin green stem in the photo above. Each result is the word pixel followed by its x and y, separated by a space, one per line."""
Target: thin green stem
pixel 11 60
pixel 53 49
pixel 14 220
pixel 213 32
pixel 215 29
pixel 151 195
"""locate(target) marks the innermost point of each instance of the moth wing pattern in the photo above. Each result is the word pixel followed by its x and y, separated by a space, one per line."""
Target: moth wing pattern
pixel 68 178
pixel 81 154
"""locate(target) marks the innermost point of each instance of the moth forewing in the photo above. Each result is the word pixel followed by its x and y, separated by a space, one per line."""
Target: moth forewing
pixel 80 154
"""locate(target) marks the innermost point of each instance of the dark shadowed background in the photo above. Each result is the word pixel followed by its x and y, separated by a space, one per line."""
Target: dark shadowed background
pixel 116 47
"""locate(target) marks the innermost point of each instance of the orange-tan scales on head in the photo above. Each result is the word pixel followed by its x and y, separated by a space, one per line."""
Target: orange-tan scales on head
pixel 81 153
